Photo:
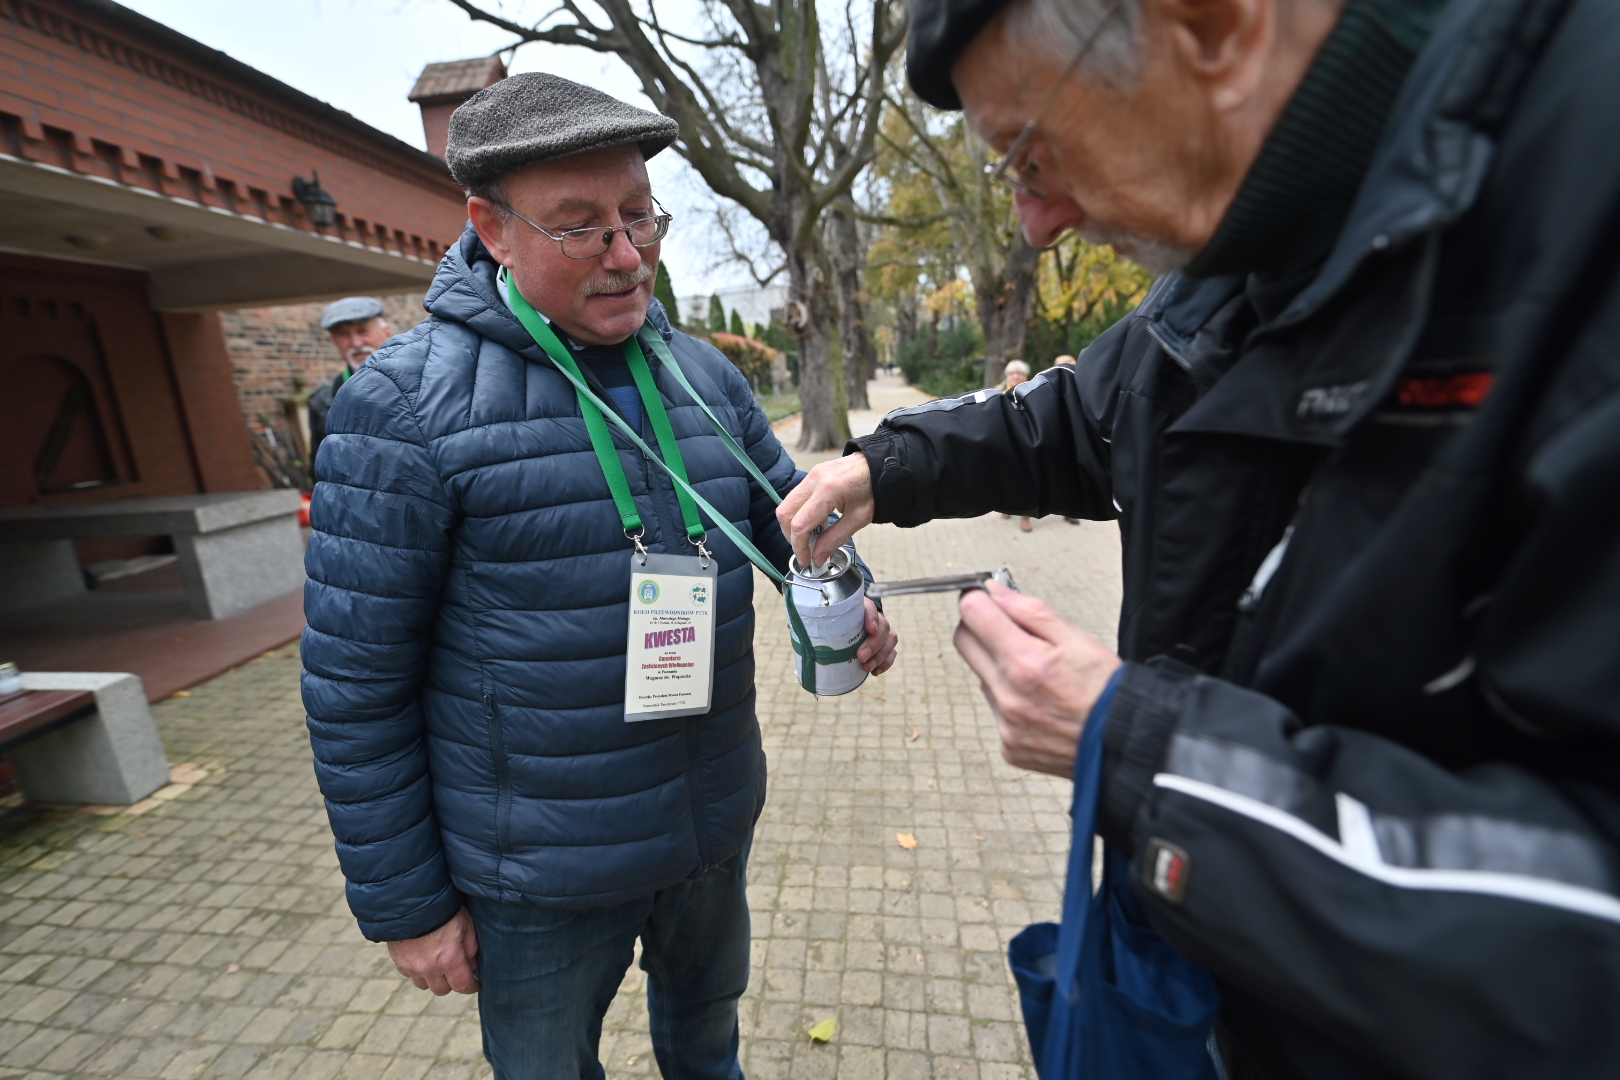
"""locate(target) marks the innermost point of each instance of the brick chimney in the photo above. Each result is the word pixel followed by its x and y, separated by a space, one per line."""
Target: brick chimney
pixel 442 88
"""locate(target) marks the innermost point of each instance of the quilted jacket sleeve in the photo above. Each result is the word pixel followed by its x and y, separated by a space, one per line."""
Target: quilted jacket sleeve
pixel 376 561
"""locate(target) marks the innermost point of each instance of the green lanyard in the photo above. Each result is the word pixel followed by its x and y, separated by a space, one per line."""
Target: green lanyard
pixel 591 408
pixel 595 414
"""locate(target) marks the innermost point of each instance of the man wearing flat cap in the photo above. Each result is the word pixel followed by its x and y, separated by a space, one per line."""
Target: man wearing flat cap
pixel 1361 740
pixel 357 328
pixel 529 666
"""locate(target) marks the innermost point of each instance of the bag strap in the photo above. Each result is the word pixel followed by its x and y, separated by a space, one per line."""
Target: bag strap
pixel 1077 889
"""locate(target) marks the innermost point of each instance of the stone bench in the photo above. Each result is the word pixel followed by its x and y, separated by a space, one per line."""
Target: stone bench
pixel 235 549
pixel 82 737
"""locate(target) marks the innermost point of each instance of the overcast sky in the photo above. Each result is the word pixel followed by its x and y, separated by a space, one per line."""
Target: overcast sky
pixel 364 55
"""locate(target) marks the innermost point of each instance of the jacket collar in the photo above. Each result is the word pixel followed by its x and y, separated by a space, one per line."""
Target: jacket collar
pixel 1435 153
pixel 1299 191
pixel 1424 173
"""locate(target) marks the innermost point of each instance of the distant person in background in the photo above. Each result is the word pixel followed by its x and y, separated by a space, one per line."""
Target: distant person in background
pixel 358 329
pixel 1014 373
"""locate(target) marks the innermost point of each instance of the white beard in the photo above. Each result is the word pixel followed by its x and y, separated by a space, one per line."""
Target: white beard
pixel 1155 256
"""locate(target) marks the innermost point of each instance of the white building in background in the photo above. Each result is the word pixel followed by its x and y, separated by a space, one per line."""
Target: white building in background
pixel 752 302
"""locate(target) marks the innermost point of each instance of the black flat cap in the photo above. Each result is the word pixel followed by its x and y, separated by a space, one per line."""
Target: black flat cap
pixel 940 31
pixel 536 117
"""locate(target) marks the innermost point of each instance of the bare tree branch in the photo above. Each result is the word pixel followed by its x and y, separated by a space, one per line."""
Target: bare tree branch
pixel 777 115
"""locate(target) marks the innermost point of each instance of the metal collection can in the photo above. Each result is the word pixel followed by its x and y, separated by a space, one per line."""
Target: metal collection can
pixel 831 599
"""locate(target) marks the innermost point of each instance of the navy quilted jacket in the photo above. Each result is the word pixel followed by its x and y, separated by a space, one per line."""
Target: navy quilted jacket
pixel 467 606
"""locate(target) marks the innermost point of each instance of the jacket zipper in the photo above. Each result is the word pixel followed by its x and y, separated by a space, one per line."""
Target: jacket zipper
pixel 503 776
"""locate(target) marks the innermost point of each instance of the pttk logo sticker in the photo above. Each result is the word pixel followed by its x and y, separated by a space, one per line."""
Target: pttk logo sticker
pixel 700 594
pixel 1165 868
pixel 647 592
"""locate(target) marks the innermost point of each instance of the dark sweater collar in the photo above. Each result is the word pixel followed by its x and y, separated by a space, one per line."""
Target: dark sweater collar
pixel 1298 192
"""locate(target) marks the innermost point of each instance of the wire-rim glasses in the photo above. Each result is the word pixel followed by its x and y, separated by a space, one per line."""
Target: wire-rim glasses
pixel 594 242
pixel 1008 170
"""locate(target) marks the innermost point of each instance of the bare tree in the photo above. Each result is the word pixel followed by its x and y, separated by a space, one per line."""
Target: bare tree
pixel 849 260
pixel 1000 262
pixel 760 102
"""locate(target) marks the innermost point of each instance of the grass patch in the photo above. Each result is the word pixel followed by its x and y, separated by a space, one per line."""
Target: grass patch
pixel 779 406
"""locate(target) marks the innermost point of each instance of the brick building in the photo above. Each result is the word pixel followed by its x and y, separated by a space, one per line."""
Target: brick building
pixel 147 184
pixel 279 352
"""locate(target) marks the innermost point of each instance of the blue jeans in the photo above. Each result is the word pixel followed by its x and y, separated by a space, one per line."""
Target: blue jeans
pixel 549 974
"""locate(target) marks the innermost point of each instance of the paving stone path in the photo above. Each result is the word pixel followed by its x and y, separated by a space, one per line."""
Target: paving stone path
pixel 207 936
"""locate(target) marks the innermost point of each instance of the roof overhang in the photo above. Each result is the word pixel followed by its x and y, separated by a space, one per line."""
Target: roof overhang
pixel 200 258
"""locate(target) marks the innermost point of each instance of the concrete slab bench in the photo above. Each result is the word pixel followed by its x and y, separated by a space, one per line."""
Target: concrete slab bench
pixel 82 737
pixel 236 549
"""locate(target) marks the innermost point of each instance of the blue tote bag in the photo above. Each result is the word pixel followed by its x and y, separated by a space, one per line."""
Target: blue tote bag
pixel 1104 996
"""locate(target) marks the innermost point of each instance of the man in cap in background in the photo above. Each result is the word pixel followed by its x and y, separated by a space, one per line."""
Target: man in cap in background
pixel 500 823
pixel 358 329
pixel 1363 442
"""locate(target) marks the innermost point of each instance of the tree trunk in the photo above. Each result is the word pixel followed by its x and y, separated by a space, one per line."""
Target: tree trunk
pixel 848 258
pixel 824 423
pixel 1004 302
pixel 905 320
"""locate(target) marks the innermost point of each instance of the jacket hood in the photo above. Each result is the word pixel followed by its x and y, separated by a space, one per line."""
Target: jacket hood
pixel 464 291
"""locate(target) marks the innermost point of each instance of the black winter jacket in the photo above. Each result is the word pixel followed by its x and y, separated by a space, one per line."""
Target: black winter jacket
pixel 1372 581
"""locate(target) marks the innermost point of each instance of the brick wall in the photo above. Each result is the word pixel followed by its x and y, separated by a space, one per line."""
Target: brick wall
pixel 105 92
pixel 272 349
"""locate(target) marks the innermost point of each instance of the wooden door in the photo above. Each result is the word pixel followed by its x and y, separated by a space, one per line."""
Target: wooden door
pixel 89 409
pixel 64 433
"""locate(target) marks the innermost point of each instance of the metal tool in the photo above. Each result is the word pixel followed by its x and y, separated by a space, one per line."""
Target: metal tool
pixel 945 583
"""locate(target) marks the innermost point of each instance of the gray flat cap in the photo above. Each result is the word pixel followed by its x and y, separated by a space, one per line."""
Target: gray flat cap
pixel 350 309
pixel 536 117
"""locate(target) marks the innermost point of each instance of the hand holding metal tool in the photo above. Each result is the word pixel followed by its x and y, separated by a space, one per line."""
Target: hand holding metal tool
pixel 944 583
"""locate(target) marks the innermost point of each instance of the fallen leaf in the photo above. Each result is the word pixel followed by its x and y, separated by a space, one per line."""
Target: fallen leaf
pixel 233 969
pixel 181 693
pixel 905 840
pixel 824 1031
pixel 913 736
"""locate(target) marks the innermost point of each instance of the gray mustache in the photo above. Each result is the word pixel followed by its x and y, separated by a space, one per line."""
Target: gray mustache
pixel 618 283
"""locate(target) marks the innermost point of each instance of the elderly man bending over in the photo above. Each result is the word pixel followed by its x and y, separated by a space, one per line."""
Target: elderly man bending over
pixel 523 775
pixel 1363 442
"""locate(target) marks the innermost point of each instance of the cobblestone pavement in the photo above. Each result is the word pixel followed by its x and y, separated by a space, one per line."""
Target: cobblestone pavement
pixel 206 936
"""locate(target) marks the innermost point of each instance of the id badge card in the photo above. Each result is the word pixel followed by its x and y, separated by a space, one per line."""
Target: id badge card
pixel 669 659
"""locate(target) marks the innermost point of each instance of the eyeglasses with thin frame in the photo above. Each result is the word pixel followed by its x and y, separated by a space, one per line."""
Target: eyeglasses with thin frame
pixel 1008 171
pixel 594 242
